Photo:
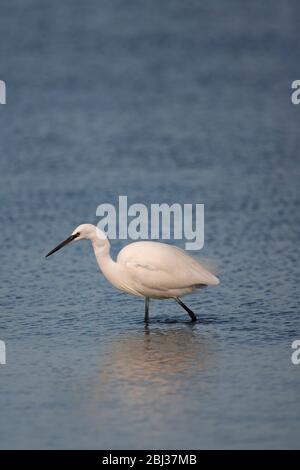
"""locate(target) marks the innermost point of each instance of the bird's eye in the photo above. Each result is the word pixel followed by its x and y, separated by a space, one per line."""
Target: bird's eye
pixel 76 235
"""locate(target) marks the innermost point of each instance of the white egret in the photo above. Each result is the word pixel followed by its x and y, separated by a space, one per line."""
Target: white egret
pixel 145 268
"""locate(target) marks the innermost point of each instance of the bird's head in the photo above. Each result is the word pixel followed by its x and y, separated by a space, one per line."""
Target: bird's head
pixel 82 232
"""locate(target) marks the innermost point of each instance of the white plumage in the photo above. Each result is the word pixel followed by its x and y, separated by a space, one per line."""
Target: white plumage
pixel 159 270
pixel 147 269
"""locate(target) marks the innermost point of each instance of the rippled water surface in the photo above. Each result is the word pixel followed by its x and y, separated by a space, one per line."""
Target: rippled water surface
pixel 164 102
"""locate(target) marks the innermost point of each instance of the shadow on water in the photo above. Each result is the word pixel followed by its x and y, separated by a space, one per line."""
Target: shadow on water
pixel 142 366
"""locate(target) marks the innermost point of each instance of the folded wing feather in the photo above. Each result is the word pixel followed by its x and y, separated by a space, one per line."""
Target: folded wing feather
pixel 159 265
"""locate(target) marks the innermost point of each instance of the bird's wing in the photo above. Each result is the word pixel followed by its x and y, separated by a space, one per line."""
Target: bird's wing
pixel 161 266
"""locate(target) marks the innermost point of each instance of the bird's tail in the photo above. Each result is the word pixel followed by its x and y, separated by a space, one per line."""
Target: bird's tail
pixel 211 265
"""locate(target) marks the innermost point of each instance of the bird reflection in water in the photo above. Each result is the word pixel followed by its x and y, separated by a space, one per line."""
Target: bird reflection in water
pixel 142 367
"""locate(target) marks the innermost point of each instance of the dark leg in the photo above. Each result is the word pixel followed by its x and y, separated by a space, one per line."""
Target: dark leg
pixel 146 309
pixel 188 310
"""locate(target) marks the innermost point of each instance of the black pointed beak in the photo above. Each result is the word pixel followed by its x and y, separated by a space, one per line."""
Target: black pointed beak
pixel 61 245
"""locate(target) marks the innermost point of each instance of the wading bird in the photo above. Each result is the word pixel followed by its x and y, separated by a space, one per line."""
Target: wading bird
pixel 146 269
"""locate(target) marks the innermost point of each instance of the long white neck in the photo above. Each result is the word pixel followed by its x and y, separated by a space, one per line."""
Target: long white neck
pixel 109 268
pixel 101 248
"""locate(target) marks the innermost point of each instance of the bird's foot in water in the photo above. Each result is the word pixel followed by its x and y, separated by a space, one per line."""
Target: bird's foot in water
pixel 187 309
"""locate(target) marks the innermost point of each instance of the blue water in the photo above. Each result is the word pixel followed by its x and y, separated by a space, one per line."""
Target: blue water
pixel 168 101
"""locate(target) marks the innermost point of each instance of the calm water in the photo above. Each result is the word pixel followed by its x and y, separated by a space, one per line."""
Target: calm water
pixel 164 102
